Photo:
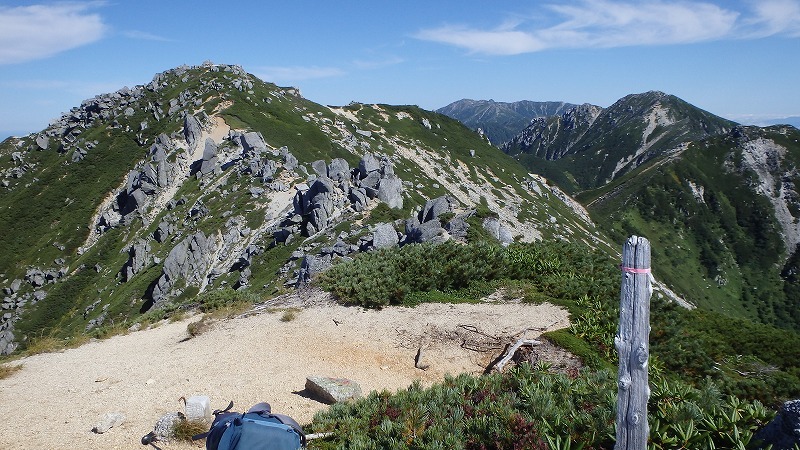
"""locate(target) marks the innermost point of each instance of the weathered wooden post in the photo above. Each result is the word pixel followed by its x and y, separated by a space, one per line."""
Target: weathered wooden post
pixel 633 346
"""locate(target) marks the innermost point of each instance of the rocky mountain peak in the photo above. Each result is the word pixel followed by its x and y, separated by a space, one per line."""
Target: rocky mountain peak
pixel 208 178
pixel 608 143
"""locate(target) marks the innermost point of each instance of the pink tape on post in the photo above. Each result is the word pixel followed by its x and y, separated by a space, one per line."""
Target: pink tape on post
pixel 634 270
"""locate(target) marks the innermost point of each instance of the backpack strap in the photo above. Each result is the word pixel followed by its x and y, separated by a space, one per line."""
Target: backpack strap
pixel 220 411
pixel 217 413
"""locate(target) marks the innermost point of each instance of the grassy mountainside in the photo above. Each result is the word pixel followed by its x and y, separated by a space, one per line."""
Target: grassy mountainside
pixel 196 181
pixel 587 147
pixel 722 216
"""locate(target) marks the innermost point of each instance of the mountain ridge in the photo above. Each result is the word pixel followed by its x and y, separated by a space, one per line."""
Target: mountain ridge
pixel 209 178
pixel 611 141
pixel 500 121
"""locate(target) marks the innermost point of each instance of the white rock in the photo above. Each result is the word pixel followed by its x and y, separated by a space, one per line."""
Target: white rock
pixel 108 421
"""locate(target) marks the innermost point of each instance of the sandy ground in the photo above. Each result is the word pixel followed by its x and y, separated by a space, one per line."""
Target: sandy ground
pixel 56 399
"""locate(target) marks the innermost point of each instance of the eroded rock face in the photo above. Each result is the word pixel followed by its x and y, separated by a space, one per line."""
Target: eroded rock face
pixel 191 130
pixel 138 258
pixel 189 262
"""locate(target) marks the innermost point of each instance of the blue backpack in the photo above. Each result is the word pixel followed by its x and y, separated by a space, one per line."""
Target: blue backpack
pixel 257 429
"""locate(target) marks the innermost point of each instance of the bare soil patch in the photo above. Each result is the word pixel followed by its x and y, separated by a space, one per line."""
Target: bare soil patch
pixel 57 398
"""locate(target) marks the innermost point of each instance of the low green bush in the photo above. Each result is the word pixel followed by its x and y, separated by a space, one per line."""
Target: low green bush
pixel 529 408
pixel 746 359
pixel 388 276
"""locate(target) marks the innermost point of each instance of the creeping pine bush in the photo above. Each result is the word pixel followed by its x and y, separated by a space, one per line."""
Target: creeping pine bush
pixel 555 271
pixel 387 276
pixel 529 408
pixel 748 360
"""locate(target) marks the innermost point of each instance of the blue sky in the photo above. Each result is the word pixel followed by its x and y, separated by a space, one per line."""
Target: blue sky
pixel 737 59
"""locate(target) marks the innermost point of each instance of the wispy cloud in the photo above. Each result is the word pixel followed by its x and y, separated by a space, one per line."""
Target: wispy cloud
pixel 292 74
pixel 39 31
pixel 771 17
pixel 145 36
pixel 371 64
pixel 613 23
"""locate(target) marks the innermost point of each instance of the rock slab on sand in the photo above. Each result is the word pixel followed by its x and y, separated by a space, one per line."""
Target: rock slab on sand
pixel 332 390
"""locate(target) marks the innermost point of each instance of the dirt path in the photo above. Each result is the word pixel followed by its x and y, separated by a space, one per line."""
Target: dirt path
pixel 54 401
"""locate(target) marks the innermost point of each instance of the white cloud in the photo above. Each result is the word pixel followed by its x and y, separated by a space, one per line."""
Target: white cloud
pixel 145 36
pixel 292 74
pixel 615 23
pixel 494 42
pixel 773 17
pixel 38 31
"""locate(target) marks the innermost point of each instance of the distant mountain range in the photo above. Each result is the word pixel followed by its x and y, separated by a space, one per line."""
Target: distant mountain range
pixel 792 120
pixel 500 121
pixel 587 146
pixel 719 201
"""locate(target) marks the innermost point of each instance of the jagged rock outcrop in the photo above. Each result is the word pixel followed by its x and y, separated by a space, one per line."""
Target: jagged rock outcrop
pixel 375 178
pixel 188 262
pixel 138 259
pixel 143 183
pixel 316 204
pixel 425 226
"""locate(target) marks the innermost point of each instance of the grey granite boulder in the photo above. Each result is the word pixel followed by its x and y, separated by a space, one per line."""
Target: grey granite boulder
pixel 253 143
pixel 320 168
pixel 312 265
pixel 339 170
pixel 390 191
pixel 210 162
pixel 332 390
pixel 191 130
pixel 384 236
pixel 42 141
pixel 430 231
pixel 369 163
pixel 435 208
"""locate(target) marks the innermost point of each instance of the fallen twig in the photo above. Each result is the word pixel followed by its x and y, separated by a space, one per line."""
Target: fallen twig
pixel 511 351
